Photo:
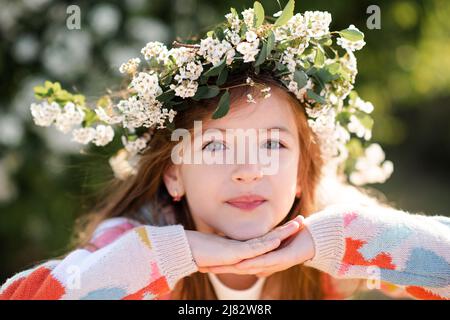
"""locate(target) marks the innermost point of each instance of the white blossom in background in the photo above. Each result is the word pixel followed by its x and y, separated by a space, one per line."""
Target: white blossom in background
pixel 83 135
pixel 44 113
pixel 155 49
pixel 103 135
pixel 133 147
pixel 108 118
pixel 250 98
pixel 234 22
pixel 370 168
pixel 122 165
pixel 362 105
pixel 130 66
pixel 71 116
pixel 355 126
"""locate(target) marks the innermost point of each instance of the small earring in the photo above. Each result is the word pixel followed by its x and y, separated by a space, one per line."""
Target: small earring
pixel 176 197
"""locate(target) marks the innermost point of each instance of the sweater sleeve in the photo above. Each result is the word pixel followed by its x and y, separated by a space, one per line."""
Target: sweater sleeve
pixel 123 261
pixel 409 251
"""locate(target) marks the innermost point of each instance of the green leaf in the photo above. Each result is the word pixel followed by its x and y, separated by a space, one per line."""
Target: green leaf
pixel 270 42
pixel 301 78
pixel 223 106
pixel 319 59
pixel 262 55
pixel 351 34
pixel 166 96
pixel 222 78
pixel 215 71
pixel 312 95
pixel 206 92
pixel 259 13
pixel 326 76
pixel 287 14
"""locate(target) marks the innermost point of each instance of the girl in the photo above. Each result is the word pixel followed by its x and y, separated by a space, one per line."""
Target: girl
pixel 230 231
pixel 132 254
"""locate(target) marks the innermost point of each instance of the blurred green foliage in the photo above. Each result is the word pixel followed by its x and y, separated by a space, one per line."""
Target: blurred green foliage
pixel 45 184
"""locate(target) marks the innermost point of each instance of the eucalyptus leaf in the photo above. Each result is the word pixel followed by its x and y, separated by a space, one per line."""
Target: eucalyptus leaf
pixel 262 55
pixel 319 59
pixel 166 96
pixel 222 78
pixel 351 34
pixel 223 106
pixel 287 14
pixel 206 92
pixel 312 95
pixel 301 78
pixel 215 71
pixel 270 42
pixel 259 13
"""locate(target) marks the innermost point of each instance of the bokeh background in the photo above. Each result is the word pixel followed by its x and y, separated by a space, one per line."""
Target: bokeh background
pixel 45 184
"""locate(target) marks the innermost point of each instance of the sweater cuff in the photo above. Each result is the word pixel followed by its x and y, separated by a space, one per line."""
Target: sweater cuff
pixel 327 230
pixel 173 252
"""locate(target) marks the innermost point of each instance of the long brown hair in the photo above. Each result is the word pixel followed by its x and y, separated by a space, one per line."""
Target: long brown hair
pixel 127 198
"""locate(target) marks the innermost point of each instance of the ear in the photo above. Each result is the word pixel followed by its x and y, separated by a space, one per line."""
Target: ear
pixel 172 180
pixel 298 191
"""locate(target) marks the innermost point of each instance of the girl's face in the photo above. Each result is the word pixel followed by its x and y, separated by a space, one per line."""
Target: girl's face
pixel 209 188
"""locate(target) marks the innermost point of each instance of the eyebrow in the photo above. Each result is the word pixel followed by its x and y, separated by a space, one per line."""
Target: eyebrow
pixel 281 129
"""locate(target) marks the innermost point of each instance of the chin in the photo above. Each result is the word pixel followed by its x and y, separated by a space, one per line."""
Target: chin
pixel 243 233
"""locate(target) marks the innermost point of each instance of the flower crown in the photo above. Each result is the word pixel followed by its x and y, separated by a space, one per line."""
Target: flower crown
pixel 298 50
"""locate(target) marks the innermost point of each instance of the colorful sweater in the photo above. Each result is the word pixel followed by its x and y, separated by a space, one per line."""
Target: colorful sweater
pixel 408 253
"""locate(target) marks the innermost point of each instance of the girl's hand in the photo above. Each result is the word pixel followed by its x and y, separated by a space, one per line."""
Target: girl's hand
pixel 213 250
pixel 293 251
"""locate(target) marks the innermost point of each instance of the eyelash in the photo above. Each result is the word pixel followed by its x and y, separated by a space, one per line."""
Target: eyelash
pixel 214 141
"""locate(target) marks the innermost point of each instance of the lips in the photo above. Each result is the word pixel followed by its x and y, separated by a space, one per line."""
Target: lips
pixel 247 202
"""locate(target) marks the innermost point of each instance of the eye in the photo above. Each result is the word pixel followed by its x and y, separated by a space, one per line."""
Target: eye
pixel 273 144
pixel 214 146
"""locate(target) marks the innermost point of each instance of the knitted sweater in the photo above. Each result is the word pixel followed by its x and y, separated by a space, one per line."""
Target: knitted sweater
pixel 408 253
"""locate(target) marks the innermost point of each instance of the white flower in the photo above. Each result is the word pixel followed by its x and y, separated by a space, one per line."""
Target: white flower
pixel 72 115
pixel 146 85
pixel 266 92
pixel 191 71
pixel 362 105
pixel 109 119
pixel 213 50
pixel 249 50
pixel 130 66
pixel 250 36
pixel 44 113
pixel 370 168
pixel 318 23
pixel 249 17
pixel 350 45
pixel 83 135
pixel 181 55
pixel 103 135
pixel 250 98
pixel 135 146
pixel 137 113
pixel 155 50
pixel 234 21
pixel 233 37
pixel 355 126
pixel 123 165
pixel 300 93
pixel 185 88
pixel 277 14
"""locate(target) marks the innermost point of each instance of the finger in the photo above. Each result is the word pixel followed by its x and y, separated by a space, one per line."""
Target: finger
pixel 264 261
pixel 233 269
pixel 284 231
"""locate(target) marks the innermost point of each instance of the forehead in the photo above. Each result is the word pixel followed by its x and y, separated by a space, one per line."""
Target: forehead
pixel 271 112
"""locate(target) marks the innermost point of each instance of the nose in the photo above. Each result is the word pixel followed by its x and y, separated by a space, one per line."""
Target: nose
pixel 247 173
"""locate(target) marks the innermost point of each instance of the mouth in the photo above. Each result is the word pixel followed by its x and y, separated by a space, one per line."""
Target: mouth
pixel 247 203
